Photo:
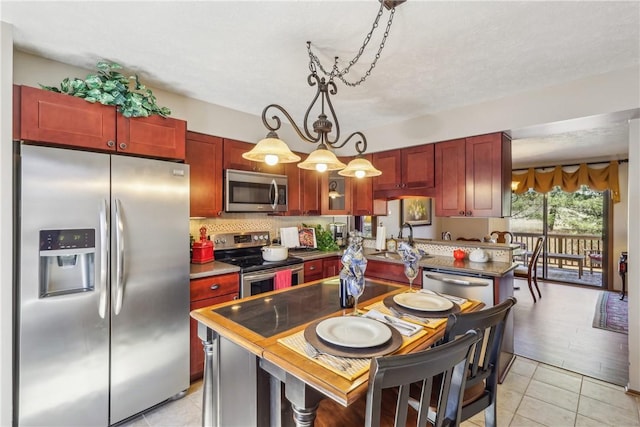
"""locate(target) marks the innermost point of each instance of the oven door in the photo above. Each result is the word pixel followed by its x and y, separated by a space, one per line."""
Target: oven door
pixel 258 282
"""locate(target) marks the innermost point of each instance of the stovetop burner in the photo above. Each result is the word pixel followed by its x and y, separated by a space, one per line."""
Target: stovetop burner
pixel 244 249
pixel 250 264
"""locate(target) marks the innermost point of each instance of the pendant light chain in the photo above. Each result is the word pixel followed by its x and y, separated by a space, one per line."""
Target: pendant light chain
pixel 313 59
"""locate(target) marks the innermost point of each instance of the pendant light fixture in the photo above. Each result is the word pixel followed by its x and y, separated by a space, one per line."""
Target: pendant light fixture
pixel 272 149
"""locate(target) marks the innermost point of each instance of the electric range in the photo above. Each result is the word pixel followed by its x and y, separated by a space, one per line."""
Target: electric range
pixel 244 249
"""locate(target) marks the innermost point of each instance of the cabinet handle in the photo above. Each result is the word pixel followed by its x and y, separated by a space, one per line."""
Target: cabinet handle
pixel 123 145
pixel 469 213
pixel 461 213
pixel 313 267
pixel 235 297
pixel 214 287
pixel 110 143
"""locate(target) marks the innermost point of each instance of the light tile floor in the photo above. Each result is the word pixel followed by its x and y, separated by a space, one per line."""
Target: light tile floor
pixel 533 394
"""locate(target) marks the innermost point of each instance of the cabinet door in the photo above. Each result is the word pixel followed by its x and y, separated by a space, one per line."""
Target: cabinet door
pixel 485 178
pixel 310 192
pixel 196 354
pixel 335 194
pixel 153 136
pixel 362 194
pixel 390 164
pixel 233 159
pixel 204 292
pixel 295 189
pixel 450 178
pixel 418 167
pixel 204 156
pixel 331 266
pixel 58 118
pixel 391 271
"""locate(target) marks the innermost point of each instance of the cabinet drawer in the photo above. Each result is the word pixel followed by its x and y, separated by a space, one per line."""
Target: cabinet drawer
pixel 214 286
pixel 313 267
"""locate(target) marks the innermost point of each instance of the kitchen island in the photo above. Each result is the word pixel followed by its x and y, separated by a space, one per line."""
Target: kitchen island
pixel 248 370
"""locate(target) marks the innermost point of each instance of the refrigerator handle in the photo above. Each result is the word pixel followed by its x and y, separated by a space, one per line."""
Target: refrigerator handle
pixel 104 256
pixel 119 259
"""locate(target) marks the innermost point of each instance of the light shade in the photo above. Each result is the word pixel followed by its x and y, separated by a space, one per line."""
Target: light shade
pixel 322 160
pixel 271 150
pixel 359 168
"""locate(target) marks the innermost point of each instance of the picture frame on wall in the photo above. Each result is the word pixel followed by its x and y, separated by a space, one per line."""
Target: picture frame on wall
pixel 415 211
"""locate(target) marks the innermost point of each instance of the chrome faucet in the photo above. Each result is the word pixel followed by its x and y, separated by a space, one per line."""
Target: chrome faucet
pixel 406 224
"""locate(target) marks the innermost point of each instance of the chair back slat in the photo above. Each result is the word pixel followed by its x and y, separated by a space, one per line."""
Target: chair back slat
pixel 484 363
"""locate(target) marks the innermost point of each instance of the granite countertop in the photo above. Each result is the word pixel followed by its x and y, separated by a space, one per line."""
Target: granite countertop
pixel 213 268
pixel 491 268
pixel 315 254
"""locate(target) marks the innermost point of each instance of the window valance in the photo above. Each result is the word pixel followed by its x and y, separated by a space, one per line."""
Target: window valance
pixel 600 179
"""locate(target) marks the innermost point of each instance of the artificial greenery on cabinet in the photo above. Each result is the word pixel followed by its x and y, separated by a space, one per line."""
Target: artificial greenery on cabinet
pixel 108 86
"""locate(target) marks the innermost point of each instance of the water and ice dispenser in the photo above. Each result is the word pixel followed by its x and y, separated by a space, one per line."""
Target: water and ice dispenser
pixel 67 261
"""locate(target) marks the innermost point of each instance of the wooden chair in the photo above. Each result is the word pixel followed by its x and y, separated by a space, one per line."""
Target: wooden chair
pixel 481 388
pixel 531 271
pixel 502 236
pixel 390 379
pixel 595 260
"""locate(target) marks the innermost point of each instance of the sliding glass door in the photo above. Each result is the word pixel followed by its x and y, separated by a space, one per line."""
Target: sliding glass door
pixel 576 234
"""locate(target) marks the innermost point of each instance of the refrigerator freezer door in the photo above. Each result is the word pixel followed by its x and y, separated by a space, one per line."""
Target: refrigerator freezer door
pixel 63 338
pixel 150 283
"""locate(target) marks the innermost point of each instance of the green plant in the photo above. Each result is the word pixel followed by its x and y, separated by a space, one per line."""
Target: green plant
pixel 324 239
pixel 110 87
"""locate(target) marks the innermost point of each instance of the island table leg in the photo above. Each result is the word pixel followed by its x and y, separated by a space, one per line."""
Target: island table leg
pixel 211 377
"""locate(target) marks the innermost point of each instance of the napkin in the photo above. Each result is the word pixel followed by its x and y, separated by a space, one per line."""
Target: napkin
pixel 405 328
pixel 457 300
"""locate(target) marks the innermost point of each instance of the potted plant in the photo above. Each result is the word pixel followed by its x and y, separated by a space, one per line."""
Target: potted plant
pixel 110 87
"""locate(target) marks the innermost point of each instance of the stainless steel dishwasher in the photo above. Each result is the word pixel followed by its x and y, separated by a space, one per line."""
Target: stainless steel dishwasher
pixel 489 290
pixel 466 286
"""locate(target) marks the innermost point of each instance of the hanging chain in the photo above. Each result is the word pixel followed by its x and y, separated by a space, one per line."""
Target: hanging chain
pixel 313 59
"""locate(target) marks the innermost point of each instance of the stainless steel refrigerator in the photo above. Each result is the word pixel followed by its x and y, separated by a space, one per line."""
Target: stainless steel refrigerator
pixel 102 295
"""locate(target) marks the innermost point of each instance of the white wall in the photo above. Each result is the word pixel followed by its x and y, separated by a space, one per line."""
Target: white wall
pixel 606 93
pixel 6 223
pixel 633 278
pixel 620 224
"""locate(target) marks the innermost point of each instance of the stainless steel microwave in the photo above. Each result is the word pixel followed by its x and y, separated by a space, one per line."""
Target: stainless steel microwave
pixel 255 192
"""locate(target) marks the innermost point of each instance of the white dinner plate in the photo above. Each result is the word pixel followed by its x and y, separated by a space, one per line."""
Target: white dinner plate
pixel 422 302
pixel 354 332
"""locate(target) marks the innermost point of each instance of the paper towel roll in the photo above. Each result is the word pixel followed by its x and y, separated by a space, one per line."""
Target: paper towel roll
pixel 381 238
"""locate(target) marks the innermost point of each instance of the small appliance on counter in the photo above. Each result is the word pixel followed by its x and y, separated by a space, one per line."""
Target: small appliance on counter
pixel 338 232
pixel 202 250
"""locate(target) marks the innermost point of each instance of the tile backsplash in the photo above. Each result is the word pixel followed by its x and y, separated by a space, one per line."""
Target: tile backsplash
pixel 255 222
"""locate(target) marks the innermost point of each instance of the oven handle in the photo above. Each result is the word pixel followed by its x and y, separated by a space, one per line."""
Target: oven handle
pixel 261 276
pixel 455 280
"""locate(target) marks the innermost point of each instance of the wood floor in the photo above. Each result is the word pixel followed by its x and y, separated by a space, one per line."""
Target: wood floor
pixel 557 331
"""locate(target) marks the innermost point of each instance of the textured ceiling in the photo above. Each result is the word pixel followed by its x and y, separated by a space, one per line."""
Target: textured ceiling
pixel 440 55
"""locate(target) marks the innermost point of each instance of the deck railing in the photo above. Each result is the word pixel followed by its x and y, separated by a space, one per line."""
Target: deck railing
pixel 572 244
